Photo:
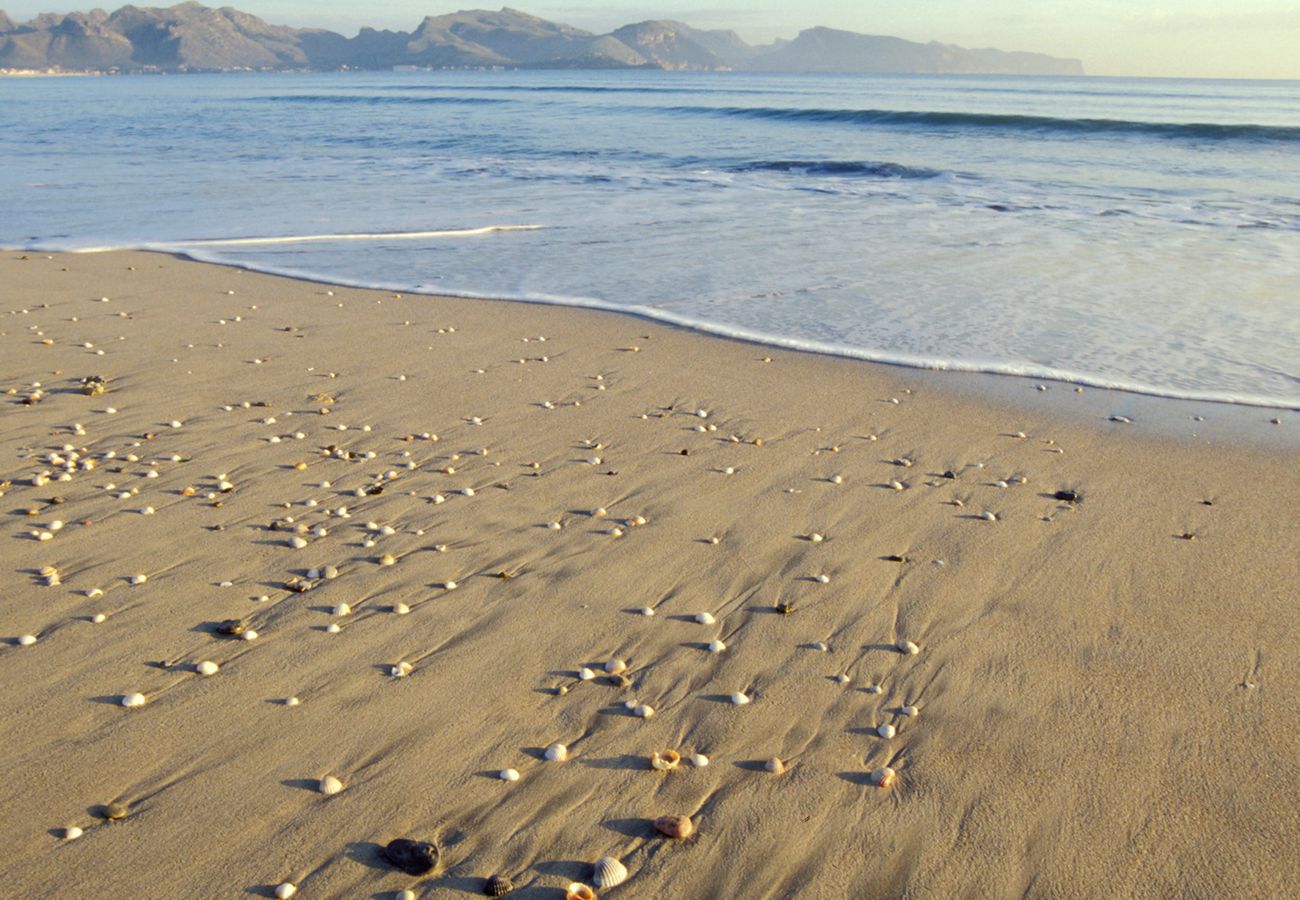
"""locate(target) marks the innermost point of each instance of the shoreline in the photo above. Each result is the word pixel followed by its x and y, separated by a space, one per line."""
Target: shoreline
pixel 1164 405
pixel 1100 688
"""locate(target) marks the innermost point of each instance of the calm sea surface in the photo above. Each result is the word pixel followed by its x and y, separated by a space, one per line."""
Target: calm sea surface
pixel 1142 234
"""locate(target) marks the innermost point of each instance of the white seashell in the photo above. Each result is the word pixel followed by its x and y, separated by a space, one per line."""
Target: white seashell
pixel 292 701
pixel 616 532
pixel 467 492
pixel 401 609
pixel 332 628
pixel 405 894
pixel 609 872
pixel 586 674
pixel 438 498
pixel 1000 484
pixel 207 667
pixel 94 593
pixel 643 711
pixel 249 635
pixel 599 512
pixel 557 753
pixel 401 670
pixel 740 698
pixel 884 777
pixel 820 646
pixel 816 538
pixel 99 618
pixel 508 775
pixel 909 711
pixel 297 542
pixel 647 611
pixel 554 526
pixel 71 833
pixel 330 785
pixel 450 585
pixel 130 701
pixel 615 666
pixel 716 646
pixel 285 890
pixel 775 766
pixel 874 689
pixel 842 678
pixel 822 579
pixel 26 640
pixel 704 618
pixel 387 560
pixel 313 574
pixel 631 704
pixel 895 485
pixel 342 609
pixel 837 479
pixel 886 731
pixel 907 647
pixel 139 579
pixel 729 470
pixel 699 760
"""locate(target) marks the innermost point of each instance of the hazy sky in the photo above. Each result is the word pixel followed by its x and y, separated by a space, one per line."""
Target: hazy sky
pixel 1209 38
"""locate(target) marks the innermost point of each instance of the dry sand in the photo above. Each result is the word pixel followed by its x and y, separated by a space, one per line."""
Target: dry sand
pixel 1104 707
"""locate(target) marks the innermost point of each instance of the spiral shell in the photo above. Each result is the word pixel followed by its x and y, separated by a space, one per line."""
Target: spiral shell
pixel 609 872
pixel 676 827
pixel 664 761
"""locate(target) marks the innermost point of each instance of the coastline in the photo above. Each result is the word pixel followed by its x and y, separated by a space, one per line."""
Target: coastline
pixel 1100 697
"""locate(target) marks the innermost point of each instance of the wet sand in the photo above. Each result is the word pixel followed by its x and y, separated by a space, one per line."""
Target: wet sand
pixel 1101 702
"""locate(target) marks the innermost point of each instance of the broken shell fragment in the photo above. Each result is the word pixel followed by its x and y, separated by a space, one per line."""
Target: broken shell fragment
pixel 716 646
pixel 910 711
pixel 609 872
pixel 665 760
pixel 676 827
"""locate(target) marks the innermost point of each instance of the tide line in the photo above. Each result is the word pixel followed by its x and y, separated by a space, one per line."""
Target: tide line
pixel 377 236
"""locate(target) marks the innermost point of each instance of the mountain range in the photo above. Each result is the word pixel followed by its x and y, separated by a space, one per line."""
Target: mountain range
pixel 193 37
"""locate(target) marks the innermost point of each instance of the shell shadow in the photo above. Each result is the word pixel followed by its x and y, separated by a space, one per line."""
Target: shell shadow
pixel 622 761
pixel 752 765
pixel 367 853
pixel 642 828
pixel 110 699
pixel 572 869
pixel 261 890
pixel 860 779
pixel 717 698
pixel 306 784
pixel 534 752
pixel 461 884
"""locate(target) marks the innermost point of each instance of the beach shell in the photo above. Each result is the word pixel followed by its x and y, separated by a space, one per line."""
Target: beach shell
pixel 579 891
pixel 249 635
pixel 207 667
pixel 699 760
pixel 874 689
pixel 401 670
pixel 842 678
pixel 26 640
pixel 615 666
pixel 412 857
pixel 401 609
pixel 676 827
pixel 557 753
pixel 99 618
pixel 72 832
pixel 643 711
pixel 907 647
pixel 285 890
pixel 775 766
pixel 405 894
pixel 886 731
pixel 705 618
pixel 740 698
pixel 586 674
pixel 819 646
pixel 115 810
pixel 508 775
pixel 646 611
pixel 665 760
pixel 716 646
pixel 329 785
pixel 130 701
pixel 816 538
pixel 297 542
pixel 332 628
pixel 910 711
pixel 896 485
pixel 342 609
pixel 292 701
pixel 884 777
pixel 988 516
pixel 608 872
pixel 138 579
pixel 498 886
pixel 387 560
pixel 450 585
pixel 822 579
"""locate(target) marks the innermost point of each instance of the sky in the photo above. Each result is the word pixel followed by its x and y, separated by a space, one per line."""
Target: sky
pixel 1174 38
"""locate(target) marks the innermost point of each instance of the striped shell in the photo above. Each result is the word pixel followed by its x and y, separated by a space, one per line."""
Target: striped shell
pixel 609 872
pixel 498 886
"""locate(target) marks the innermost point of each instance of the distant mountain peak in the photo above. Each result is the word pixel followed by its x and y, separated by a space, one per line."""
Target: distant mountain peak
pixel 190 36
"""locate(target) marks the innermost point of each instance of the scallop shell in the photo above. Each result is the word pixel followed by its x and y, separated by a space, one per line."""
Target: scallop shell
pixel 884 777
pixel 615 666
pixel 886 731
pixel 579 891
pixel 775 766
pixel 498 886
pixel 716 646
pixel 557 753
pixel 664 761
pixel 907 647
pixel 676 827
pixel 609 872
pixel 330 785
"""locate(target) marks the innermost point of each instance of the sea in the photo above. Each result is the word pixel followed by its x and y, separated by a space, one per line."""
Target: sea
pixel 1141 234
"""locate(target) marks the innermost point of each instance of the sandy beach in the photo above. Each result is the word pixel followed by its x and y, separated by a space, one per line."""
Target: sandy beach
pixel 1065 640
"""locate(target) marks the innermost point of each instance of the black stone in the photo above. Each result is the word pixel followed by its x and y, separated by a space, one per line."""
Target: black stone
pixel 412 857
pixel 1068 496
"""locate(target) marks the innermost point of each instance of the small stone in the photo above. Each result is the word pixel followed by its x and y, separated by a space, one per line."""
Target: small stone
pixel 412 857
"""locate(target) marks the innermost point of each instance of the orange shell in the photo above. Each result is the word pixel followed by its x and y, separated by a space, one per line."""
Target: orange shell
pixel 579 891
pixel 665 760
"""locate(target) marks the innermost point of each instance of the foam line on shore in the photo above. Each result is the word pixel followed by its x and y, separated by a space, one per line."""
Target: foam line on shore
pixel 169 246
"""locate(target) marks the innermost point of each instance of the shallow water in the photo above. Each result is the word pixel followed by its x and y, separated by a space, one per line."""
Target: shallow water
pixel 1142 234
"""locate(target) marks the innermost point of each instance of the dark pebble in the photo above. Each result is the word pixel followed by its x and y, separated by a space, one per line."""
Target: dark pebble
pixel 412 857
